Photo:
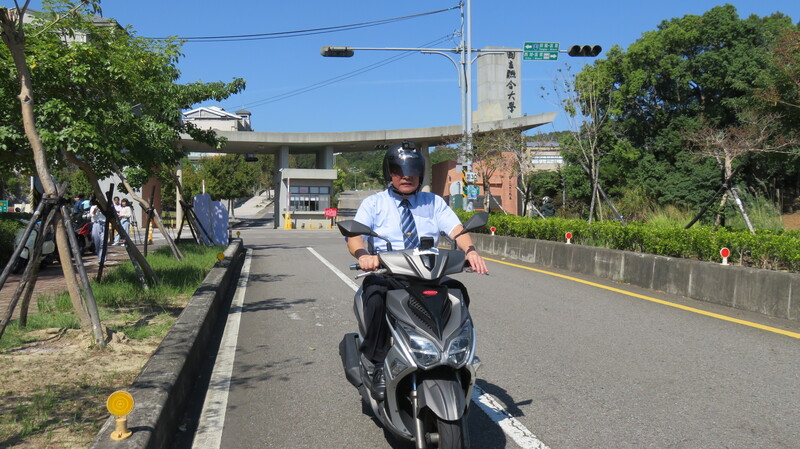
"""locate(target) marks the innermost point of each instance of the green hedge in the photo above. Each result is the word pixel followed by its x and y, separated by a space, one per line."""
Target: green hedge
pixel 766 249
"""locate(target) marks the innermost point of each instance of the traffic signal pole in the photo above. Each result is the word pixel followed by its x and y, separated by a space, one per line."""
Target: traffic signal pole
pixel 464 68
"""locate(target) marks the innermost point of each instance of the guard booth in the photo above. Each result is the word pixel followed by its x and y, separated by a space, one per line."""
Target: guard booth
pixel 305 194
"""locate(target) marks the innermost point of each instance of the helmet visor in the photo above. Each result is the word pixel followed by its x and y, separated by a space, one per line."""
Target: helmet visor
pixel 407 165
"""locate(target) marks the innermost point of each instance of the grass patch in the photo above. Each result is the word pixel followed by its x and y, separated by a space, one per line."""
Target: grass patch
pixel 122 298
pixel 53 398
pixel 141 327
pixel 669 217
pixel 121 286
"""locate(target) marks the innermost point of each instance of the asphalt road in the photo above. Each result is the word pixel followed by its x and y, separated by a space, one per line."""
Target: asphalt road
pixel 577 365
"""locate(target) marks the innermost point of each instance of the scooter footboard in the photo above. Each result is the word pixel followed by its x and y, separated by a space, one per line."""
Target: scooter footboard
pixel 348 350
pixel 444 397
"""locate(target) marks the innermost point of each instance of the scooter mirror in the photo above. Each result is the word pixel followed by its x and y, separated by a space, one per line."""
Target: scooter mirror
pixel 352 228
pixel 478 220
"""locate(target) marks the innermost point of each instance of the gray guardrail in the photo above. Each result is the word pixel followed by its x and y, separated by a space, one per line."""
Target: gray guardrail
pixel 772 293
pixel 162 389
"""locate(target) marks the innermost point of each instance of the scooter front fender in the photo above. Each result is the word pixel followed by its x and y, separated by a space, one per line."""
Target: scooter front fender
pixel 444 397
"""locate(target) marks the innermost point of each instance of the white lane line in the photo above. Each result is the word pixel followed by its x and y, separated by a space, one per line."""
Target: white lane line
pixel 510 425
pixel 335 270
pixel 212 418
pixel 486 402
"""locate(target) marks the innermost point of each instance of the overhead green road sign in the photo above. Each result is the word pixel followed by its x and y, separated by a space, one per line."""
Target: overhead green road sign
pixel 540 51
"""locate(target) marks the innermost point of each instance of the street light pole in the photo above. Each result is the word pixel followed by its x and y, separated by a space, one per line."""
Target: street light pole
pixel 464 68
pixel 468 79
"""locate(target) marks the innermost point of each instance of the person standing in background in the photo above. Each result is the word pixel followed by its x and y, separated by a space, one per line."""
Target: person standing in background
pixel 98 228
pixel 117 208
pixel 125 213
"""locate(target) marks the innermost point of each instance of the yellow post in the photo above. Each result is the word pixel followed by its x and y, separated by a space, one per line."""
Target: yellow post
pixel 287 221
pixel 119 404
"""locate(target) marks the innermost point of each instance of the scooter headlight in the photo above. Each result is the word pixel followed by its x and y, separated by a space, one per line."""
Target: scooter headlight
pixel 424 351
pixel 460 346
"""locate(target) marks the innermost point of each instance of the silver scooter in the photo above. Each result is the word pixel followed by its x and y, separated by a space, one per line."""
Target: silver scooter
pixel 48 254
pixel 431 365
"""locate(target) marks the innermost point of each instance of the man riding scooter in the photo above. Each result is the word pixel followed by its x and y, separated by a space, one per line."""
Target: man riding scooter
pixel 403 214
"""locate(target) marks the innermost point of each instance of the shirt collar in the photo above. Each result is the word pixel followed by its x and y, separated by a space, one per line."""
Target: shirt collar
pixel 412 199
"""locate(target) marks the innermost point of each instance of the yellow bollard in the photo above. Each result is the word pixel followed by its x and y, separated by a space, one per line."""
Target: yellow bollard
pixel 119 404
pixel 287 221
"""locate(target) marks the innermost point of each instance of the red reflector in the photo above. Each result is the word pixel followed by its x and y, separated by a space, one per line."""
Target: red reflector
pixel 429 292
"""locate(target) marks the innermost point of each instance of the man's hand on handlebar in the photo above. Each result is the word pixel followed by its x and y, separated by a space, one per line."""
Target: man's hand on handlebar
pixel 368 262
pixel 476 262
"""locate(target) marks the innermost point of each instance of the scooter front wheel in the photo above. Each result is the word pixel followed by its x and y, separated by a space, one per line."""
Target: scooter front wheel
pixel 451 434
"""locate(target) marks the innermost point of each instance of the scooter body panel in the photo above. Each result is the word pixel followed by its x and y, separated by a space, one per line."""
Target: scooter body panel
pixel 444 397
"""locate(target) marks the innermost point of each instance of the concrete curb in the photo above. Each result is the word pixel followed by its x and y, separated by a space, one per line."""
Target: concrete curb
pixel 772 293
pixel 163 387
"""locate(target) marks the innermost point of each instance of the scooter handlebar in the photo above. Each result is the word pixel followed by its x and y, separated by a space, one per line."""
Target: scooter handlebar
pixel 367 273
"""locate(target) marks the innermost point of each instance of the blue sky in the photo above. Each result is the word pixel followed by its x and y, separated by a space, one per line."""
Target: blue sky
pixel 416 91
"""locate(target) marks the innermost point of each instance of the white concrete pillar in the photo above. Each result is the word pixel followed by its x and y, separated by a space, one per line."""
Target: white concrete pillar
pixel 499 85
pixel 424 148
pixel 280 203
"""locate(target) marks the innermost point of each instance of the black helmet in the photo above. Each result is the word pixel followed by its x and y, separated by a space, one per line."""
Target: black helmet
pixel 404 158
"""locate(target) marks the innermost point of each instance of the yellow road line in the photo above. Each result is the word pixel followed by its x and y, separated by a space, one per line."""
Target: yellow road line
pixel 658 301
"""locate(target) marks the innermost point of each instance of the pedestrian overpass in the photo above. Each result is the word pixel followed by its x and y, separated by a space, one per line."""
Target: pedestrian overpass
pixel 302 192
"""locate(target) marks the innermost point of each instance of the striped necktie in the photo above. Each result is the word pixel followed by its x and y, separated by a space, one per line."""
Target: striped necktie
pixel 410 237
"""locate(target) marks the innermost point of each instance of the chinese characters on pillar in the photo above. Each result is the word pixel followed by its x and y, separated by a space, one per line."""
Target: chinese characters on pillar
pixel 511 83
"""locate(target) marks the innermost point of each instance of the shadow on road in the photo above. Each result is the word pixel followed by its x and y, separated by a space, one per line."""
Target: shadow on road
pixel 274 304
pixel 512 407
pixel 484 433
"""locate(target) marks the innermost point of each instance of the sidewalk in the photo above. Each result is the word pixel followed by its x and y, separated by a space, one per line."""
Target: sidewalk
pixel 256 207
pixel 51 279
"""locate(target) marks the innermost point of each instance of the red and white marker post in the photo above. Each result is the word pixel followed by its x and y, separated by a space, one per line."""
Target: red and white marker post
pixel 492 229
pixel 568 236
pixel 725 253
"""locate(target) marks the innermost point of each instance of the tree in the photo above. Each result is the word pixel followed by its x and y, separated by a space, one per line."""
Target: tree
pixel 443 153
pixel 109 102
pixel 689 72
pixel 587 100
pixel 517 144
pixel 782 94
pixel 728 146
pixel 228 177
pixel 489 154
pixel 14 38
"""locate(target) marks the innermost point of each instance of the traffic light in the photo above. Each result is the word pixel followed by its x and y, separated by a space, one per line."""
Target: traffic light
pixel 585 50
pixel 336 52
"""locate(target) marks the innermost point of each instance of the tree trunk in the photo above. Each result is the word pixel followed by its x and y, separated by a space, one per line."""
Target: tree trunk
pixel 33 266
pixel 14 39
pixel 133 252
pixel 592 203
pixel 156 219
pixel 721 210
pixel 742 209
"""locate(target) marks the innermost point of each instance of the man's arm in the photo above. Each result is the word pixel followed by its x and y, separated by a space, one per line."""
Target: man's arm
pixel 464 243
pixel 366 261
